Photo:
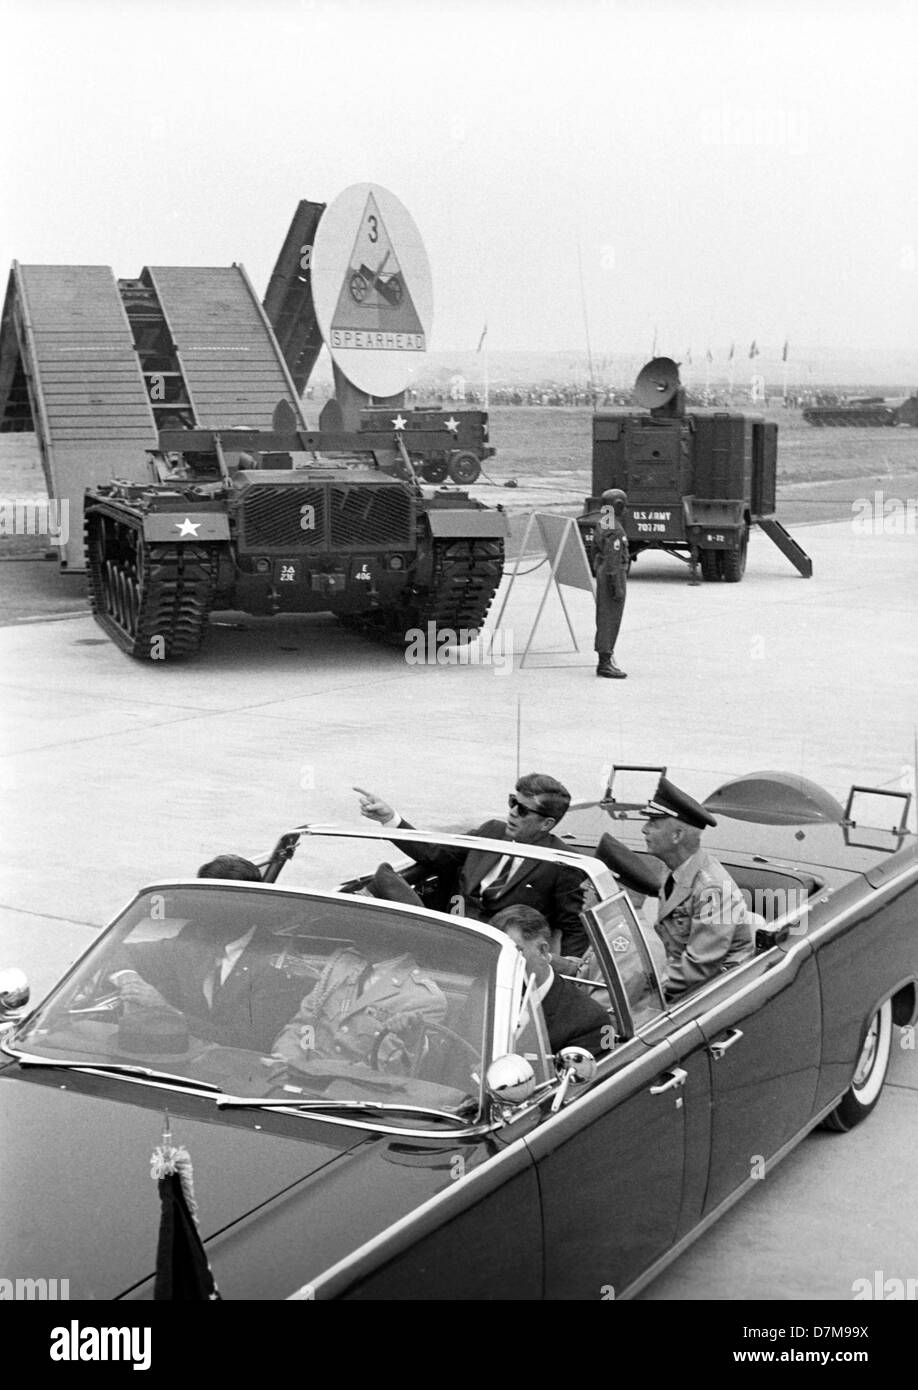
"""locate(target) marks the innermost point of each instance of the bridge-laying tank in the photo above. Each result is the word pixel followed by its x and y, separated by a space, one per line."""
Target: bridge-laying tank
pixel 253 521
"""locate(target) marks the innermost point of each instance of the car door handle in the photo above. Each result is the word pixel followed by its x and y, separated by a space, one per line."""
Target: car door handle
pixel 718 1048
pixel 677 1077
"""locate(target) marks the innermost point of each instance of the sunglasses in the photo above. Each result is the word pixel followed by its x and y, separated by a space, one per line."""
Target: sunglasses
pixel 516 805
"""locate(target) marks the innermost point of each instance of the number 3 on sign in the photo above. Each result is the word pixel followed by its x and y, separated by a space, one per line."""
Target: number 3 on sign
pixel 373 233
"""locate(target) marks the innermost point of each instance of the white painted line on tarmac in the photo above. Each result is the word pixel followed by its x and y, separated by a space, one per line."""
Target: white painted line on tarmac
pixel 54 617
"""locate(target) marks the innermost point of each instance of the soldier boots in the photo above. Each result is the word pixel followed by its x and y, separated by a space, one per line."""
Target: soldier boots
pixel 608 668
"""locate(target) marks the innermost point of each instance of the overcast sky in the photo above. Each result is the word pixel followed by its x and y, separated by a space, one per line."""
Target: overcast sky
pixel 728 171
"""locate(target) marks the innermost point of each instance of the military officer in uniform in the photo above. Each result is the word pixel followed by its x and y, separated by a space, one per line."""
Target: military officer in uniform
pixel 610 565
pixel 702 918
pixel 360 1013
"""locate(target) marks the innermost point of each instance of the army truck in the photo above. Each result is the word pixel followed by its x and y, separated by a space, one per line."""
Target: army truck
pixel 697 481
pixel 260 522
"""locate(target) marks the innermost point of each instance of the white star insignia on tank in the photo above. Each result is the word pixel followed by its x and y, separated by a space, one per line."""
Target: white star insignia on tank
pixel 188 527
pixel 399 422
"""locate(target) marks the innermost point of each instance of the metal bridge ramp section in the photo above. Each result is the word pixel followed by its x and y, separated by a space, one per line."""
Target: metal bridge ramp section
pixel 233 369
pixel 288 298
pixel 89 403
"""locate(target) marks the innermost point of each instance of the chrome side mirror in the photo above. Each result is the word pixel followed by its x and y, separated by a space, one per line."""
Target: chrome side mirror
pixel 574 1066
pixel 510 1080
pixel 14 992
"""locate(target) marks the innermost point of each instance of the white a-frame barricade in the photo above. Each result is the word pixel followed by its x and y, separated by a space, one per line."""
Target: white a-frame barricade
pixel 567 564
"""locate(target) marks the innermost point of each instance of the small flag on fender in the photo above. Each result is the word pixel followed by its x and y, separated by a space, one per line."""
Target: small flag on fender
pixel 182 1271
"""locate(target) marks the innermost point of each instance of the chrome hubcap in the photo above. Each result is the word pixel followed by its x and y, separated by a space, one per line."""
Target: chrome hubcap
pixel 869 1052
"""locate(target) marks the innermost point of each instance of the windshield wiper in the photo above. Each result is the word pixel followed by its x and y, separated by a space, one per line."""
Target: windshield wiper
pixel 371 1106
pixel 115 1068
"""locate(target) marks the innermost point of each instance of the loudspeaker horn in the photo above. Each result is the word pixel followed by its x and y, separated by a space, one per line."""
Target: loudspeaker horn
pixel 657 383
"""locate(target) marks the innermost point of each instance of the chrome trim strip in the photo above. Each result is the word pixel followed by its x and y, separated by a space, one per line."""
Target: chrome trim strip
pixel 803 944
pixel 880 894
pixel 359 903
pixel 219 1098
pixel 603 878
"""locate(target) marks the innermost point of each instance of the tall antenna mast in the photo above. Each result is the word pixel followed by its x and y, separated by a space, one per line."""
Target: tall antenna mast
pixel 586 321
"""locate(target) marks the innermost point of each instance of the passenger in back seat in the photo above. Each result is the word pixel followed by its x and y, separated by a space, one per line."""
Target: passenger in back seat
pixel 572 1017
pixel 702 919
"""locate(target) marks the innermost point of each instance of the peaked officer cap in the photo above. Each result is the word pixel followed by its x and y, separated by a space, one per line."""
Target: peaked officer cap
pixel 630 868
pixel 668 800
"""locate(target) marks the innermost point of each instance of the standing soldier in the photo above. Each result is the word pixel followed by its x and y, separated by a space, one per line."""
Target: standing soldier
pixel 610 565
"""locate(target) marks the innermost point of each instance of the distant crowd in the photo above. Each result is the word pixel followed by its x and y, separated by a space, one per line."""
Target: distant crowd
pixel 597 398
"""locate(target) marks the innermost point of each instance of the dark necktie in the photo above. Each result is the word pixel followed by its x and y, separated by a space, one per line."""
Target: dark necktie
pixel 669 886
pixel 213 982
pixel 494 889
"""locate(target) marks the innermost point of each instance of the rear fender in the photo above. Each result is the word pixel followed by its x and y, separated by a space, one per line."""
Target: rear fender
pixel 457 523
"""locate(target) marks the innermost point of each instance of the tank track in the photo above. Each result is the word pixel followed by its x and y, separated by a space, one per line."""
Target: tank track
pixel 153 601
pixel 465 577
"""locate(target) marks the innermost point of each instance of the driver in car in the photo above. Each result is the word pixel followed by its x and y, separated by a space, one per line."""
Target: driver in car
pixel 363 1013
pixel 227 978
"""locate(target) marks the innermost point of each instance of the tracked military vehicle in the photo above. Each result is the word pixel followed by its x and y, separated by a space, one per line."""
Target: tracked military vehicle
pixel 858 412
pixel 255 521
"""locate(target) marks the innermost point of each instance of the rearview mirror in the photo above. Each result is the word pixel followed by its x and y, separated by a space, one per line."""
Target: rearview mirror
pixel 14 992
pixel 574 1065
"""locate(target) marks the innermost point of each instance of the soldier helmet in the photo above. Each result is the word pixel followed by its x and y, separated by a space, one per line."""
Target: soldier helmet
pixel 614 497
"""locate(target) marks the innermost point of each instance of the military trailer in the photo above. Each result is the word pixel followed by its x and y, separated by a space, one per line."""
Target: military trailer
pixel 254 521
pixel 467 444
pixel 697 481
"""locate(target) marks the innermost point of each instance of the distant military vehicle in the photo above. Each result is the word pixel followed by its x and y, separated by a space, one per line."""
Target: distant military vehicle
pixel 467 440
pixel 864 411
pixel 870 411
pixel 696 480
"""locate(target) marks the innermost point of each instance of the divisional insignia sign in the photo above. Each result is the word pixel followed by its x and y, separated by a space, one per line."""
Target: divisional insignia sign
pixel 371 289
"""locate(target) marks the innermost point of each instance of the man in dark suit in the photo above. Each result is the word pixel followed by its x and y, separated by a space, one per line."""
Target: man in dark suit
pixel 571 1016
pixel 226 976
pixel 485 882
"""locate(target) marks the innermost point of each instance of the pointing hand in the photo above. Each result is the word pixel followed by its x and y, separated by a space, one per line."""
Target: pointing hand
pixel 374 808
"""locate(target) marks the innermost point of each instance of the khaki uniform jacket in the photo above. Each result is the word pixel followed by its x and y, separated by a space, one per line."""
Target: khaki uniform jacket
pixel 346 1019
pixel 704 924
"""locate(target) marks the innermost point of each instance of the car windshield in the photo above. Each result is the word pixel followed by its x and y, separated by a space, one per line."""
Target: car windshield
pixel 270 994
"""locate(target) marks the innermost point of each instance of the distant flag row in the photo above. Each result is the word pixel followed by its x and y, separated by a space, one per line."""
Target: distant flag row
pixel 754 351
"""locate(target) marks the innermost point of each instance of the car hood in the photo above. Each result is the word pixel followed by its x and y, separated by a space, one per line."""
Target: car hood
pixel 78 1202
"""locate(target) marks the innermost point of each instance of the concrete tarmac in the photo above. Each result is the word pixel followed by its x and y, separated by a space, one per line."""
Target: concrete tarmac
pixel 114 774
